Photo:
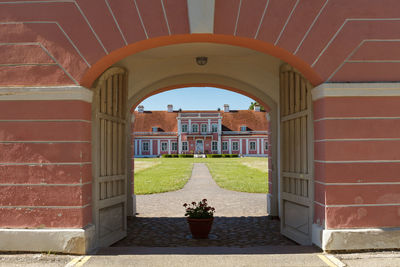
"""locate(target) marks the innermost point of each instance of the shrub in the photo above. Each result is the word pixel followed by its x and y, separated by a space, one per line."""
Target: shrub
pixel 214 155
pixel 186 155
pixel 166 156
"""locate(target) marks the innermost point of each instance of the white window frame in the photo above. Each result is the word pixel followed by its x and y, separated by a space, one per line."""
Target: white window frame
pixel 185 124
pixel 266 146
pixel 166 146
pixel 197 128
pixel 203 126
pixel 143 146
pixel 185 146
pixel 154 129
pixel 174 146
pixel 255 146
pixel 243 128
pixel 233 145
pixel 214 143
pixel 214 126
pixel 225 146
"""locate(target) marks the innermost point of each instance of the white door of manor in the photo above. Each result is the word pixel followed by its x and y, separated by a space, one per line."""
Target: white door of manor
pixel 199 146
pixel 109 156
pixel 296 156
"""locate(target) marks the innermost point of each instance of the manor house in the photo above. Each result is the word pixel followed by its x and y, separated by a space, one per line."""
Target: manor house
pixel 243 132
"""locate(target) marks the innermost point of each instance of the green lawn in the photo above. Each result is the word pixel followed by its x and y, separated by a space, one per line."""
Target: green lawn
pixel 158 175
pixel 161 175
pixel 240 174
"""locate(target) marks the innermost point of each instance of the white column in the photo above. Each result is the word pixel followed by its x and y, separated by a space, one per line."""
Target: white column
pixel 158 147
pixel 240 146
pixel 230 146
pixel 179 126
pixel 219 144
pixel 247 146
pixel 219 126
pixel 190 126
pixel 135 146
pixel 179 144
pixel 169 146
pixel 140 147
pixel 258 146
pixel 151 146
pixel 209 126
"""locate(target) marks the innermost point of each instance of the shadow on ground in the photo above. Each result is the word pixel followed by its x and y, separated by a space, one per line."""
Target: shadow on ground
pixel 226 232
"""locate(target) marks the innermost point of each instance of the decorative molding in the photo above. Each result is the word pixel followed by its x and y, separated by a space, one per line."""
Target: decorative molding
pixel 46 93
pixel 201 16
pixel 355 90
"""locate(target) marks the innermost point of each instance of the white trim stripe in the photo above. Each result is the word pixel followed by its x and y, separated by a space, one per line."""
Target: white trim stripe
pixel 72 185
pixel 356 205
pixel 52 120
pixel 342 26
pixel 45 207
pixel 367 183
pixel 44 142
pixel 165 17
pixel 141 20
pixel 44 163
pixel 64 1
pixel 311 26
pixel 116 22
pixel 262 19
pixel 355 90
pixel 286 23
pixel 237 17
pixel 356 118
pixel 356 139
pixel 46 93
pixel 357 161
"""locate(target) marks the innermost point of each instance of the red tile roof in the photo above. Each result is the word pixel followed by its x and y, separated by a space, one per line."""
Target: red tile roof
pixel 231 121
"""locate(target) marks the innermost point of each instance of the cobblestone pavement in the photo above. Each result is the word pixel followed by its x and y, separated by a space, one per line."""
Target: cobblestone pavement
pixel 241 218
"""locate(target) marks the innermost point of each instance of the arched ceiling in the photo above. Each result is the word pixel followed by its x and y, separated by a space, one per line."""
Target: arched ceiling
pixel 55 42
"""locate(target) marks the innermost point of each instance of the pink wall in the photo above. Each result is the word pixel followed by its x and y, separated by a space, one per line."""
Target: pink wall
pixel 361 150
pixel 38 166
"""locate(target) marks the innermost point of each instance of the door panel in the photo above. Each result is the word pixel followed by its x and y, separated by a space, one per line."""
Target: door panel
pixel 109 155
pixel 296 156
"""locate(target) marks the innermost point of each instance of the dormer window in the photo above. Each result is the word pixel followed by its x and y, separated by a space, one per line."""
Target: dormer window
pixel 243 128
pixel 154 129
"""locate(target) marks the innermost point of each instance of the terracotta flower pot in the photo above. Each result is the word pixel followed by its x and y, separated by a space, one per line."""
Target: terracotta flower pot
pixel 200 228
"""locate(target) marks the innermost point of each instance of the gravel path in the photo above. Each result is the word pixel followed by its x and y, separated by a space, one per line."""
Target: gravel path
pixel 201 185
pixel 241 218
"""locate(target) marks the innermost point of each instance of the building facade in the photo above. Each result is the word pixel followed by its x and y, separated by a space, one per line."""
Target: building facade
pixel 241 132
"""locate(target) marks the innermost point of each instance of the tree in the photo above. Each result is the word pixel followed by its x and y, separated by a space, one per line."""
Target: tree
pixel 253 104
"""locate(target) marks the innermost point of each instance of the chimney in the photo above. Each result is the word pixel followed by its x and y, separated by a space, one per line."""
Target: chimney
pixel 170 108
pixel 226 108
pixel 141 108
pixel 257 108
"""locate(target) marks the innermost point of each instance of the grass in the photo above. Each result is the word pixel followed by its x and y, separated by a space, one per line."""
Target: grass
pixel 161 175
pixel 241 174
pixel 157 175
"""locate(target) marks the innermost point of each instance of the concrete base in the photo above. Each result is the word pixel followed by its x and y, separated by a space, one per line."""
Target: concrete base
pixel 356 239
pixel 69 241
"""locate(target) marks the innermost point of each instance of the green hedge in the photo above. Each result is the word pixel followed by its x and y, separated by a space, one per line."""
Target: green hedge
pixel 214 155
pixel 169 155
pixel 186 155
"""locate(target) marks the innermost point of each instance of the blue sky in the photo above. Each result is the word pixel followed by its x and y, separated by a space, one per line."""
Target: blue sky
pixel 197 98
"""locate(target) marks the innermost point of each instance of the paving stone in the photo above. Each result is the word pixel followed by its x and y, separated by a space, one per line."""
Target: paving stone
pixel 241 219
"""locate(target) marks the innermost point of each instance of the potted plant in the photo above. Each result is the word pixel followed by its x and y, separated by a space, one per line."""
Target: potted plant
pixel 200 217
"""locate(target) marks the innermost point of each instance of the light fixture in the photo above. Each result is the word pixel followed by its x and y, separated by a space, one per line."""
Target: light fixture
pixel 201 61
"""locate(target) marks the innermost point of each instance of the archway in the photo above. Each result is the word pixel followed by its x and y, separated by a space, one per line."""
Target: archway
pixel 254 74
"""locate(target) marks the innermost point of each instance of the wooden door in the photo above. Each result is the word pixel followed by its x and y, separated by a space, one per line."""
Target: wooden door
pixel 109 157
pixel 296 156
